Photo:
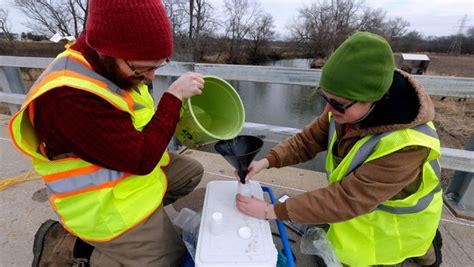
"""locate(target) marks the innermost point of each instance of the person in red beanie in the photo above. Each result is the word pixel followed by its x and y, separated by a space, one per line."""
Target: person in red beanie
pixel 96 138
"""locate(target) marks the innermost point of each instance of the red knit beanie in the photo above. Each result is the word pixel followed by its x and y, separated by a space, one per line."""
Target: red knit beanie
pixel 129 29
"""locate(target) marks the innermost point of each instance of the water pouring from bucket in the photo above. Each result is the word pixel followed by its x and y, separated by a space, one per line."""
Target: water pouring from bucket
pixel 240 152
pixel 217 114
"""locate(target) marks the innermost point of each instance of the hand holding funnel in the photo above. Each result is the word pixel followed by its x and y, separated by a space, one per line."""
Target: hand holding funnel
pixel 240 152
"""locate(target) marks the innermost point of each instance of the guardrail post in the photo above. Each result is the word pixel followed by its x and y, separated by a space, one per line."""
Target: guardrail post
pixel 459 196
pixel 12 82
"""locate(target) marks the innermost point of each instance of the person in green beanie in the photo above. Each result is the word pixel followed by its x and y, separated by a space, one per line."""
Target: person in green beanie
pixel 383 200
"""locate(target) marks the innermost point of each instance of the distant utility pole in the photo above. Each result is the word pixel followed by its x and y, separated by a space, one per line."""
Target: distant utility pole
pixel 455 47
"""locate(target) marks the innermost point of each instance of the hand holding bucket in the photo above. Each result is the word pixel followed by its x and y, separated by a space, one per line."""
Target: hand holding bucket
pixel 216 114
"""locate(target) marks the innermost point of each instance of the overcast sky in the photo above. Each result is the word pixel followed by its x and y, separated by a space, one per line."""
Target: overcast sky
pixel 429 17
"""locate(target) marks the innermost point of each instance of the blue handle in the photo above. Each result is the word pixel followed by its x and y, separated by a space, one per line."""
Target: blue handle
pixel 281 229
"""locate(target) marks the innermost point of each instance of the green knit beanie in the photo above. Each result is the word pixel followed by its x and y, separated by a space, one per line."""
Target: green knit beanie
pixel 360 69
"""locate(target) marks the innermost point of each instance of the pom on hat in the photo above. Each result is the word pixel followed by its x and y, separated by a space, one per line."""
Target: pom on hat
pixel 360 69
pixel 129 29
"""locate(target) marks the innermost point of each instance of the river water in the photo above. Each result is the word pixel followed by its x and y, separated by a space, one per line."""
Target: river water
pixel 280 104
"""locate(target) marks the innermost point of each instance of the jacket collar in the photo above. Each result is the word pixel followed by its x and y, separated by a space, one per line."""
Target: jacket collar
pixel 409 105
pixel 90 54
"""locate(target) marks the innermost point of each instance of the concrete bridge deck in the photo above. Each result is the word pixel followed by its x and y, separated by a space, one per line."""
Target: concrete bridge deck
pixel 24 206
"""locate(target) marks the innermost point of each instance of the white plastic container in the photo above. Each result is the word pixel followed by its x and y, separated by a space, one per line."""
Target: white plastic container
pixel 228 248
pixel 216 223
pixel 245 189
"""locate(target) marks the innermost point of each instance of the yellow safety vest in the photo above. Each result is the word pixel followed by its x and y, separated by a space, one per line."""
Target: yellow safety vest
pixel 396 229
pixel 93 203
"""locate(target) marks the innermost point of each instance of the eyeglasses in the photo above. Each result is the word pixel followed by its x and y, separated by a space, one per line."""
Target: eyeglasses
pixel 341 108
pixel 138 72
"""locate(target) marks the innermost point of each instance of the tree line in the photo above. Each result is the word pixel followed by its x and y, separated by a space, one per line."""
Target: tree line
pixel 242 32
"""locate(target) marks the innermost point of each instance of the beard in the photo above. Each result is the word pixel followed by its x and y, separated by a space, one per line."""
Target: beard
pixel 114 74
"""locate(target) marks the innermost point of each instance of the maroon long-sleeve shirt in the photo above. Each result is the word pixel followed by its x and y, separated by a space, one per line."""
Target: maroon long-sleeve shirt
pixel 69 120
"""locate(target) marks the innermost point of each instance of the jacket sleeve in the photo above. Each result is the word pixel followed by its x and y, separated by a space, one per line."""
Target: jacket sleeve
pixel 303 146
pixel 92 129
pixel 394 176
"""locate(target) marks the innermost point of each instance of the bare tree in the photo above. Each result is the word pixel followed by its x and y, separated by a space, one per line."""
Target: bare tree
pixel 4 26
pixel 396 28
pixel 204 26
pixel 177 13
pixel 323 25
pixel 470 32
pixel 412 41
pixel 468 42
pixel 303 33
pixel 203 17
pixel 241 16
pixel 372 20
pixel 50 16
pixel 192 22
pixel 78 10
pixel 259 37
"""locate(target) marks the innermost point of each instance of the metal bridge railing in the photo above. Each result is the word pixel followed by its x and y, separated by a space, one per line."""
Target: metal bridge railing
pixel 461 191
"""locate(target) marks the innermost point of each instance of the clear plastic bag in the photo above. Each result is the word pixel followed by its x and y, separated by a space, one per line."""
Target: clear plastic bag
pixel 189 221
pixel 314 242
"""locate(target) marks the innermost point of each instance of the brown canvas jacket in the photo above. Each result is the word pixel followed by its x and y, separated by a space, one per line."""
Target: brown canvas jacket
pixel 394 176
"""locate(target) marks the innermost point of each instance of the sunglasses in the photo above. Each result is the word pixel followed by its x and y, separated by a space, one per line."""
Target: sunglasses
pixel 139 73
pixel 341 108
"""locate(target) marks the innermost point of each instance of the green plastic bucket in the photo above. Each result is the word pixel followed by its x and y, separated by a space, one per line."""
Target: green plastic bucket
pixel 216 114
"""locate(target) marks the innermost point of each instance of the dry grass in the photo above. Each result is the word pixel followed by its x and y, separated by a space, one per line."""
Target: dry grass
pixel 448 65
pixel 454 121
pixel 30 49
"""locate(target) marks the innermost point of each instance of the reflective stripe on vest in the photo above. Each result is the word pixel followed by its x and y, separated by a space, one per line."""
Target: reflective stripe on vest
pixel 79 182
pixel 364 152
pixel 68 67
pixel 422 204
pixel 93 202
pixel 396 229
pixel 366 149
